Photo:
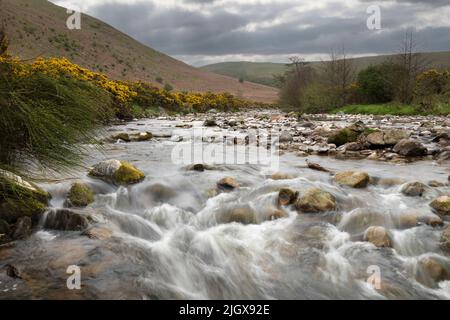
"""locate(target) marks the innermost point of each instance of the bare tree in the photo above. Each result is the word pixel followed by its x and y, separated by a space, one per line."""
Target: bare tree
pixel 338 73
pixel 411 63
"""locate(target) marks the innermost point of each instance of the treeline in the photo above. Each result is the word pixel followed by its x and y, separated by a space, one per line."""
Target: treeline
pixel 405 79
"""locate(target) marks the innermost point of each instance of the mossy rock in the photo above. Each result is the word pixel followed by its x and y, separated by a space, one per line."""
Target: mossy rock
pixel 19 198
pixel 441 205
pixel 80 195
pixel 118 172
pixel 343 136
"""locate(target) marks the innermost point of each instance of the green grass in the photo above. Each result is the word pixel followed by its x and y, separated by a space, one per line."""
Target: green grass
pixel 391 109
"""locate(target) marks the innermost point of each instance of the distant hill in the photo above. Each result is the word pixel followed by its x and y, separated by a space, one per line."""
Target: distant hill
pixel 38 28
pixel 262 72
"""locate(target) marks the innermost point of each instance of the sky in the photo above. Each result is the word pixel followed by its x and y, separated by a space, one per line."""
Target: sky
pixel 201 32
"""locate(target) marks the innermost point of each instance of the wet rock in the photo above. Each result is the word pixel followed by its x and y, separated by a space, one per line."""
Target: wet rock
pixel 441 205
pixel 280 176
pixel 414 189
pixel 436 184
pixel 353 146
pixel 121 136
pixel 80 195
pixel 22 229
pixel 19 198
pixel 389 182
pixel 4 227
pixel 13 272
pixel 228 184
pixel 316 201
pixel 285 137
pixel 160 192
pixel 210 123
pixel 445 239
pixel 199 167
pixel 117 172
pixel 386 138
pixel 343 136
pixel 98 233
pixel 410 148
pixel 432 270
pixel 287 197
pixel 353 179
pixel 66 220
pixel 412 220
pixel 357 221
pixel 275 214
pixel 243 215
pixel 378 236
pixel 143 136
pixel 316 166
pixel 136 137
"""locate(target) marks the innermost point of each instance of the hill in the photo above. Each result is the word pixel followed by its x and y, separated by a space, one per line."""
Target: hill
pixel 261 72
pixel 38 28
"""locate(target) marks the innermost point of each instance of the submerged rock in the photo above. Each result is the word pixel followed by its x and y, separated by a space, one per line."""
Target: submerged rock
pixel 445 239
pixel 353 179
pixel 280 176
pixel 432 270
pixel 441 205
pixel 378 236
pixel 410 148
pixel 244 215
pixel 80 195
pixel 20 198
pixel 228 184
pixel 66 220
pixel 22 228
pixel 414 189
pixel 98 233
pixel 117 172
pixel 316 201
pixel 287 197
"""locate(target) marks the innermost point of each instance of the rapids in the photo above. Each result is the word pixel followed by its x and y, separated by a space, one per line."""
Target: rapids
pixel 169 242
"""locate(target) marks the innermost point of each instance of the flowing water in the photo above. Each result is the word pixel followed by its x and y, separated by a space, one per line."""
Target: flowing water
pixel 170 240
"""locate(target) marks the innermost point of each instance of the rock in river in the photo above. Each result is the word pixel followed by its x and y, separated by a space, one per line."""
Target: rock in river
pixel 19 198
pixel 414 189
pixel 445 239
pixel 66 220
pixel 410 148
pixel 316 201
pixel 441 205
pixel 353 179
pixel 287 197
pixel 117 172
pixel 378 236
pixel 80 195
pixel 227 184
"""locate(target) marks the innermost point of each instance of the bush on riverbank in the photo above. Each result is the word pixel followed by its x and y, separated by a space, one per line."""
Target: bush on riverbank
pixel 392 109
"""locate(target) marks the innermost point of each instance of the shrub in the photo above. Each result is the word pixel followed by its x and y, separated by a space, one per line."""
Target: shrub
pixel 376 83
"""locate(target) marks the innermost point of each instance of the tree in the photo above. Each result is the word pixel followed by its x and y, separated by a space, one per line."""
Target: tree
pixel 376 83
pixel 338 73
pixel 411 63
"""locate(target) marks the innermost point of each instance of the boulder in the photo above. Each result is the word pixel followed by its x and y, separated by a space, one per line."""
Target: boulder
pixel 445 239
pixel 80 195
pixel 210 123
pixel 228 184
pixel 353 179
pixel 343 136
pixel 287 197
pixel 22 229
pixel 316 201
pixel 386 138
pixel 414 189
pixel 378 236
pixel 19 198
pixel 244 215
pixel 432 268
pixel 98 233
pixel 66 220
pixel 441 205
pixel 410 148
pixel 285 137
pixel 117 172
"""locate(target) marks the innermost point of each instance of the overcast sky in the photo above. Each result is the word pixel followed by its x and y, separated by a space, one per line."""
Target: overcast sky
pixel 208 31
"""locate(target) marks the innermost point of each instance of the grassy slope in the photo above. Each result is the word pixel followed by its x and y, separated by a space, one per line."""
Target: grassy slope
pixel 263 72
pixel 389 109
pixel 38 27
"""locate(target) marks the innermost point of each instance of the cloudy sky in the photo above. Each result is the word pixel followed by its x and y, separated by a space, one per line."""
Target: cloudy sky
pixel 208 31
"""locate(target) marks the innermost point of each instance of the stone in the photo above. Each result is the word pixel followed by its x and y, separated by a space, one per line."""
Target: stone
pixel 243 215
pixel 316 201
pixel 436 184
pixel 80 195
pixel 22 229
pixel 343 136
pixel 160 192
pixel 287 197
pixel 98 233
pixel 285 137
pixel 386 138
pixel 414 189
pixel 445 239
pixel 280 176
pixel 432 268
pixel 117 172
pixel 378 236
pixel 275 214
pixel 228 184
pixel 353 179
pixel 122 136
pixel 19 198
pixel 410 148
pixel 210 123
pixel 66 220
pixel 441 205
